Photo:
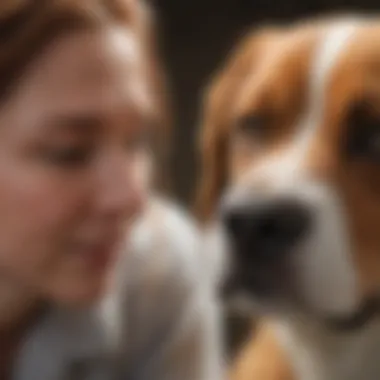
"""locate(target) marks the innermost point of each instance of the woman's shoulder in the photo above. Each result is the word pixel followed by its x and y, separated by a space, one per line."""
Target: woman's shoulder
pixel 160 276
pixel 166 243
pixel 163 263
pixel 164 295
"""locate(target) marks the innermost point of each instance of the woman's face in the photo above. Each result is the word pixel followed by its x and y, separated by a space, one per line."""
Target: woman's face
pixel 73 165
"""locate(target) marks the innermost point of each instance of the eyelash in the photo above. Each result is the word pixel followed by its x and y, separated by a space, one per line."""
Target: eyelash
pixel 70 157
pixel 79 156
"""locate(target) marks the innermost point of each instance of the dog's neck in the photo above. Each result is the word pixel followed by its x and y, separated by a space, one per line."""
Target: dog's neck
pixel 318 353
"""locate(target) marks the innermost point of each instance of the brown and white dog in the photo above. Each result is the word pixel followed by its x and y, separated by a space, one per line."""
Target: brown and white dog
pixel 291 175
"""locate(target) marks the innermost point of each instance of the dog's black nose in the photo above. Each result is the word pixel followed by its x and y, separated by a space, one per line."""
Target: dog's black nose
pixel 267 228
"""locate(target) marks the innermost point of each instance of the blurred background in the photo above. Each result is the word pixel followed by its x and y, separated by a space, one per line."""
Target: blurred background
pixel 195 37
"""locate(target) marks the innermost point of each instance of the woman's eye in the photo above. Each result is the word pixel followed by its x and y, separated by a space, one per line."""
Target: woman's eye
pixel 69 156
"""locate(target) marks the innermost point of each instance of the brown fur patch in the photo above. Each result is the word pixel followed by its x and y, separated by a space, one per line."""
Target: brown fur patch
pixel 262 358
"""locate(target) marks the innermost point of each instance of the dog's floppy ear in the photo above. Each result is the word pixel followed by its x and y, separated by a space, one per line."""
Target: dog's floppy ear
pixel 216 117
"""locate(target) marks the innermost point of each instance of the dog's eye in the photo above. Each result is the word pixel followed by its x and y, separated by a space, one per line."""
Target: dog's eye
pixel 253 126
pixel 363 135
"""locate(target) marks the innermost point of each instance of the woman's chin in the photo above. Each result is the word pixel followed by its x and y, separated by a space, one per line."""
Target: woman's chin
pixel 79 292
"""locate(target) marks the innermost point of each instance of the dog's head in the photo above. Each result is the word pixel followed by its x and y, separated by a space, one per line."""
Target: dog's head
pixel 291 165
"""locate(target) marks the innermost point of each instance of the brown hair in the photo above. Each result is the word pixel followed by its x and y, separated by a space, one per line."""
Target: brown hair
pixel 29 26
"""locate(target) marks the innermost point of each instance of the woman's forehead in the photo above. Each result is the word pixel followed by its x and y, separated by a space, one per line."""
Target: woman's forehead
pixel 89 71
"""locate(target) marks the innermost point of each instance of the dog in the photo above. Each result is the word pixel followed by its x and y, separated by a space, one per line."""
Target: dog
pixel 290 187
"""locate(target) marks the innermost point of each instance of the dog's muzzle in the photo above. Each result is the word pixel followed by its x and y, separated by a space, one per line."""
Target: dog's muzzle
pixel 262 236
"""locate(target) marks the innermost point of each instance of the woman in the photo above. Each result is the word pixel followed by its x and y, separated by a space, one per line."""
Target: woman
pixel 98 278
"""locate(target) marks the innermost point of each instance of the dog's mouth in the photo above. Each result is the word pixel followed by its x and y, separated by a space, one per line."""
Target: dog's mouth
pixel 269 282
pixel 273 290
pixel 368 310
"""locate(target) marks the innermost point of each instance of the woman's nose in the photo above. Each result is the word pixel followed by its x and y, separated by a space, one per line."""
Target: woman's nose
pixel 123 185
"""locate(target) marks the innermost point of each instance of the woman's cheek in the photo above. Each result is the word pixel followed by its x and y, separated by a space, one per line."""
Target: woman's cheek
pixel 143 173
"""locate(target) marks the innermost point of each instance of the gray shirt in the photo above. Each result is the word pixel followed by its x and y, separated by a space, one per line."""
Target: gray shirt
pixel 159 320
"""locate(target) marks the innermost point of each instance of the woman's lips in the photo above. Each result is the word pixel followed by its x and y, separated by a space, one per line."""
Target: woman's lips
pixel 101 255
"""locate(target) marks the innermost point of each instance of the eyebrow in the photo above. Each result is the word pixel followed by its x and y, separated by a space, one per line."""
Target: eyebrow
pixel 81 122
pixel 92 122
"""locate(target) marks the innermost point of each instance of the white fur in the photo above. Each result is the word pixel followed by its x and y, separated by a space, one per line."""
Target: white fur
pixel 215 246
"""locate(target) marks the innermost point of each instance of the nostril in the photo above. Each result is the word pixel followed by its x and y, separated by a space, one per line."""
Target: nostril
pixel 293 221
pixel 242 225
pixel 235 222
pixel 268 227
